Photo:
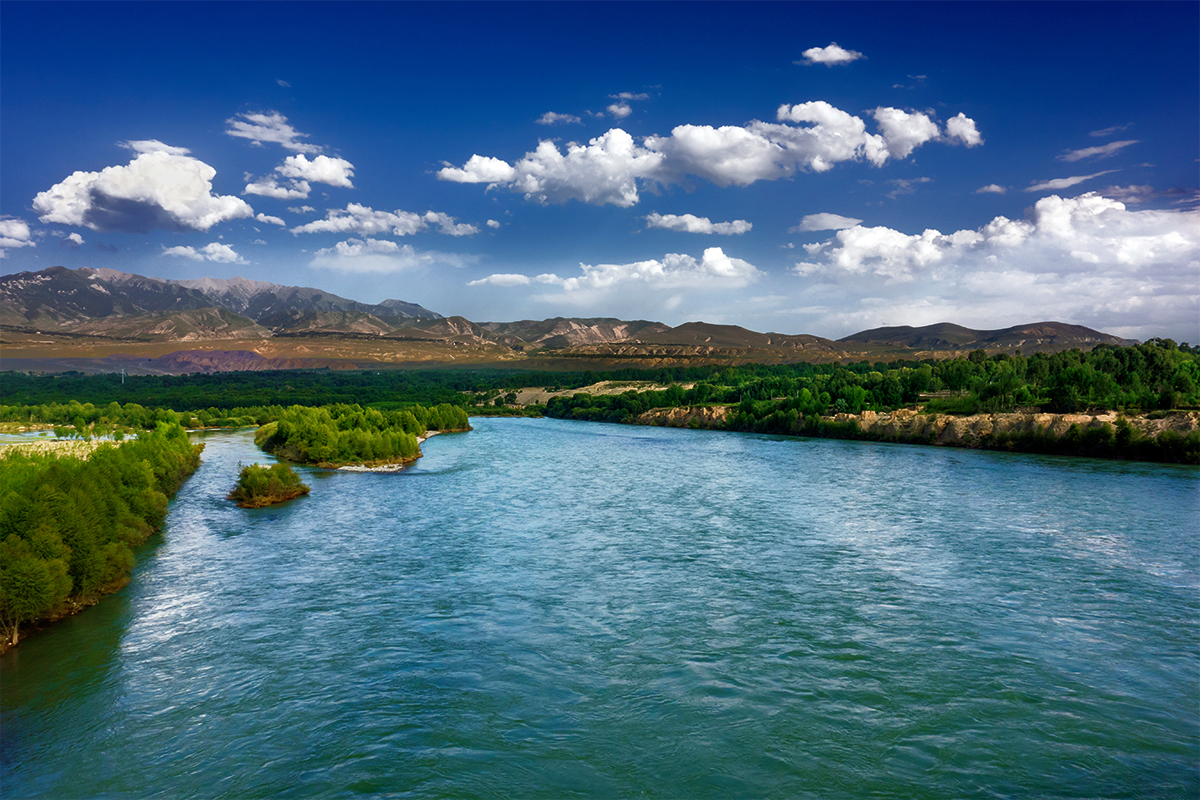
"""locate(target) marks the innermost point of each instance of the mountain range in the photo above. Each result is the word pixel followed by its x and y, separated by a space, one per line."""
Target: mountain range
pixel 92 319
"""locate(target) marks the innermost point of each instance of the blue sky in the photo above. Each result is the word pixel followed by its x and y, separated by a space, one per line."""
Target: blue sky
pixel 803 168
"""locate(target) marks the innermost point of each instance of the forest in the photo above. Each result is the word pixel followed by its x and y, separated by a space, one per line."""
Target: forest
pixel 68 526
pixel 1154 377
pixel 341 434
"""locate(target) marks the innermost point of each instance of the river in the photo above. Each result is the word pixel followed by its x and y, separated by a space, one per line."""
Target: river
pixel 542 608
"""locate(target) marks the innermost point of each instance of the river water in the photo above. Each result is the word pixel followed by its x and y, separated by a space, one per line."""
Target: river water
pixel 542 608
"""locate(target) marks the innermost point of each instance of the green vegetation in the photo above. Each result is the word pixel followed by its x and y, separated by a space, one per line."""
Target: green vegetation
pixel 349 434
pixel 260 485
pixel 1153 377
pixel 68 526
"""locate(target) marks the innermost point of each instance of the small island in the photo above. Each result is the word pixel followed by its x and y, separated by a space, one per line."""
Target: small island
pixel 260 485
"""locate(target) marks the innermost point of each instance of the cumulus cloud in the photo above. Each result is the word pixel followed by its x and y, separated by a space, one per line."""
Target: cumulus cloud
pixel 553 118
pixel 620 110
pixel 904 132
pixel 689 223
pixel 73 240
pixel 1087 260
pixel 269 127
pixel 301 209
pixel 162 187
pixel 1056 184
pixel 270 220
pixel 221 253
pixel 611 168
pixel 15 233
pixel 1102 151
pixel 381 256
pixel 830 55
pixel 824 222
pixel 300 171
pixel 992 188
pixel 367 221
pixel 675 271
pixel 962 128
pixel 322 169
pixel 493 223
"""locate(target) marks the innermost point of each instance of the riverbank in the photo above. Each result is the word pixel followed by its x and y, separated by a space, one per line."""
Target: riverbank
pixel 1172 437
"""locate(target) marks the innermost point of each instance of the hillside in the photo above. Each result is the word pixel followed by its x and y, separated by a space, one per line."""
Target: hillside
pixel 102 320
pixel 1030 338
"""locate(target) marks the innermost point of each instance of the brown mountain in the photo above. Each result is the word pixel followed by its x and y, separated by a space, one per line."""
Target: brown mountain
pixel 944 336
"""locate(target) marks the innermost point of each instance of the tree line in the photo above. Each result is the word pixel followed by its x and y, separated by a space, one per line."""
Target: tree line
pixel 68 526
pixel 341 434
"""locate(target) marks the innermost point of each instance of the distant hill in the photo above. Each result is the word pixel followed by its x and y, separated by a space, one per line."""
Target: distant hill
pixel 1031 338
pixel 704 333
pixel 93 319
pixel 93 300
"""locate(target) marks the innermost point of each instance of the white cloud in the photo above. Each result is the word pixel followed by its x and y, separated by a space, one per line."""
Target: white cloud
pixel 553 118
pixel 962 128
pixel 689 223
pixel 364 220
pixel 502 279
pixel 830 55
pixel 712 271
pixel 270 220
pixel 259 241
pixel 267 186
pixel 824 222
pixel 620 110
pixel 483 169
pixel 73 240
pixel 301 209
pixel 809 136
pixel 269 127
pixel 162 187
pixel 221 253
pixel 1087 260
pixel 14 233
pixel 1065 183
pixel 381 256
pixel 1112 130
pixel 1102 151
pixel 322 169
pixel 630 96
pixel 904 132
pixel 992 188
pixel 299 171
pixel 493 223
pixel 448 226
pixel 284 84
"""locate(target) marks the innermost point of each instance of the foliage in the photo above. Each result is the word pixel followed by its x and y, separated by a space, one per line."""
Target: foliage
pixel 68 526
pixel 261 485
pixel 350 434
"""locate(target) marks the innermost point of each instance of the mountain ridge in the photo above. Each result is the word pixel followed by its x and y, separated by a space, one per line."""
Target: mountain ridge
pixel 59 315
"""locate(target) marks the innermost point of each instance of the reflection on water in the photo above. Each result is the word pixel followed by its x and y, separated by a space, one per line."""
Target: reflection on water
pixel 543 608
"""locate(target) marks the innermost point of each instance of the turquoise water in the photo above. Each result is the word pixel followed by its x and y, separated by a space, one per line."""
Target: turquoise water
pixel 544 608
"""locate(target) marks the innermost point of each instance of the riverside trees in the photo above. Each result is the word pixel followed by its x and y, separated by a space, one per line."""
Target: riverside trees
pixel 68 526
pixel 350 434
pixel 260 485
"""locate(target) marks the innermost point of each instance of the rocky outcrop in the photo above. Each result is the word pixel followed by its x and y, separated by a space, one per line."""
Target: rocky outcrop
pixel 978 428
pixel 1106 435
